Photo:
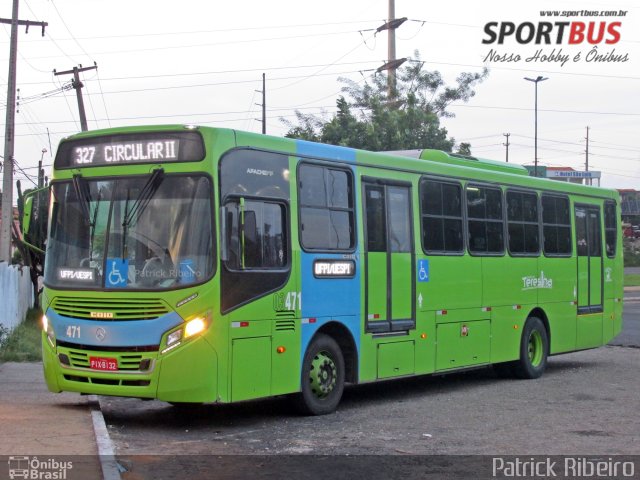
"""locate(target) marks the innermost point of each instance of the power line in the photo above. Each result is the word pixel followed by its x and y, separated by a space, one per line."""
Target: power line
pixel 217 72
pixel 207 44
pixel 68 30
pixel 582 112
pixel 227 30
pixel 180 115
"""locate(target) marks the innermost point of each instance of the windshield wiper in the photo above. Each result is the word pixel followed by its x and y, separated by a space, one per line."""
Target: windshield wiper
pixel 84 196
pixel 92 230
pixel 83 193
pixel 144 197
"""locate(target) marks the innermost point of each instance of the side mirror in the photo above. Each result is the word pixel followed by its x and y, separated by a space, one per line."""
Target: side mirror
pixel 224 253
pixel 26 215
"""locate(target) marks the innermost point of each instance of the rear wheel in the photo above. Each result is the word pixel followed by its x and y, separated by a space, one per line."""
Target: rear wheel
pixel 534 349
pixel 322 377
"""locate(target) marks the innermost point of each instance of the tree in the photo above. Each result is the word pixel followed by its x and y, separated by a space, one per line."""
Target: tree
pixel 407 118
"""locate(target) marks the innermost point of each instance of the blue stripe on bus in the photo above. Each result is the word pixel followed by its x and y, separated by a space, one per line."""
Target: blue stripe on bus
pixel 328 299
pixel 331 152
pixel 129 333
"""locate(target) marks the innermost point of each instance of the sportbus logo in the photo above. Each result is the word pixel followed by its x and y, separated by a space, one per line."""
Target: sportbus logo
pixel 595 33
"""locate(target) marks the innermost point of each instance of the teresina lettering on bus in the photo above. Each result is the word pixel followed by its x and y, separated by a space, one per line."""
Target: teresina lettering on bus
pixel 137 152
pixel 532 282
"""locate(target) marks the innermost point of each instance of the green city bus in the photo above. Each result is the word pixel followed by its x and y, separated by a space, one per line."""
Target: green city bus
pixel 195 264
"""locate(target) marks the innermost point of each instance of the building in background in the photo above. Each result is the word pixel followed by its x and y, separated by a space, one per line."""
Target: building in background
pixel 630 203
pixel 567 174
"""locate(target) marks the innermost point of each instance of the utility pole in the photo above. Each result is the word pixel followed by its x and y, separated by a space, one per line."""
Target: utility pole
pixel 77 85
pixel 391 64
pixel 40 179
pixel 9 136
pixel 507 144
pixel 536 80
pixel 263 105
pixel 586 158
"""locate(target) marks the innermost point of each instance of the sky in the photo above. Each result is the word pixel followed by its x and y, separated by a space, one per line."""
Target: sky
pixel 201 62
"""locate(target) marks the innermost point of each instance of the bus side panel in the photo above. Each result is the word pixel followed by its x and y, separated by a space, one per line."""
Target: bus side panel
pixel 508 281
pixel 330 299
pixel 506 328
pixel 558 302
pixel 609 298
pixel 426 344
pixel 454 282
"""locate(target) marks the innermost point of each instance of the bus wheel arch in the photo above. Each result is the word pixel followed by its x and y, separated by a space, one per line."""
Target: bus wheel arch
pixel 343 337
pixel 539 313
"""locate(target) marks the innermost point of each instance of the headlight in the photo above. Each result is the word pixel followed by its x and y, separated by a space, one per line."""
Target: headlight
pixel 194 327
pixel 48 329
pixel 174 337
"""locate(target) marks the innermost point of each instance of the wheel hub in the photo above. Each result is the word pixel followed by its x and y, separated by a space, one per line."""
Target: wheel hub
pixel 323 375
pixel 535 348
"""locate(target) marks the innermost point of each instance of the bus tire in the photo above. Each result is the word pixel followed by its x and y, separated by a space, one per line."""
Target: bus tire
pixel 322 378
pixel 534 349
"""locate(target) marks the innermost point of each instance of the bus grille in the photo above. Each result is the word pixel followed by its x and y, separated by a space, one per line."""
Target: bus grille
pixel 110 309
pixel 285 325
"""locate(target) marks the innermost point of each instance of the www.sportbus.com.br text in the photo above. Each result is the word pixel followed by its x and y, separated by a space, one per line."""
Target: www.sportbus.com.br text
pixel 583 13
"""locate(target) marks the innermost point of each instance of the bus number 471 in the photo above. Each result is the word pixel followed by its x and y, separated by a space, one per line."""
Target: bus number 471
pixel 287 301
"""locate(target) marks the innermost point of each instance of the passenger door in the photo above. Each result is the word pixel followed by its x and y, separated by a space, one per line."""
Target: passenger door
pixel 589 281
pixel 389 257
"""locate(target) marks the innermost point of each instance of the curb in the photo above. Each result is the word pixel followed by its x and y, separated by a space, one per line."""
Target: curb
pixel 106 450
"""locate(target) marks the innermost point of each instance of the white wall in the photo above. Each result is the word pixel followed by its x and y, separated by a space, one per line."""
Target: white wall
pixel 16 294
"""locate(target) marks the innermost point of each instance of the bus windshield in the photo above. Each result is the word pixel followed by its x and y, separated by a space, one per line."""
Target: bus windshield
pixel 147 232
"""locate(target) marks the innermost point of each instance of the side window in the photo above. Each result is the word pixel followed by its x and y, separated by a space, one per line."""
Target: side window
pixel 485 220
pixel 556 225
pixel 441 213
pixel 256 235
pixel 399 219
pixel 610 228
pixel 522 223
pixel 376 219
pixel 326 208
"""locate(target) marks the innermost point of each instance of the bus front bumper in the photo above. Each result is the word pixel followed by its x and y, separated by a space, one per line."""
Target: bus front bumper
pixel 185 374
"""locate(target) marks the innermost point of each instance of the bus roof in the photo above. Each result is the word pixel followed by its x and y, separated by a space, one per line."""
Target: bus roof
pixel 420 160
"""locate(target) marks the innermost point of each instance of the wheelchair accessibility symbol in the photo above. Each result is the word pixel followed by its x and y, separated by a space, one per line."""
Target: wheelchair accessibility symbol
pixel 117 271
pixel 423 270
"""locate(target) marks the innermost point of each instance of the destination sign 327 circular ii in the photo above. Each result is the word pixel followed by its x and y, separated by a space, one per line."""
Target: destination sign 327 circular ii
pixel 152 147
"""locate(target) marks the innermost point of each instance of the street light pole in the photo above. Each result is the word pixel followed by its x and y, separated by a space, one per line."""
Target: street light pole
pixel 540 78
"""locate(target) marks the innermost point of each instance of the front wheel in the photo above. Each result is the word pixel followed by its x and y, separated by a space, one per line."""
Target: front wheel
pixel 322 377
pixel 534 349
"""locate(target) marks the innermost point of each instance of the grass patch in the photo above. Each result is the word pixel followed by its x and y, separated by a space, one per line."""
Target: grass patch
pixel 632 280
pixel 23 343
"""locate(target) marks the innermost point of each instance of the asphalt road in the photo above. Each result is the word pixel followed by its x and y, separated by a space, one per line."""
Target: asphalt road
pixel 630 335
pixel 585 404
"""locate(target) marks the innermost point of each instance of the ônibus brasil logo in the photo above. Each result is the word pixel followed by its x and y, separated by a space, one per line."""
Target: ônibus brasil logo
pixel 557 42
